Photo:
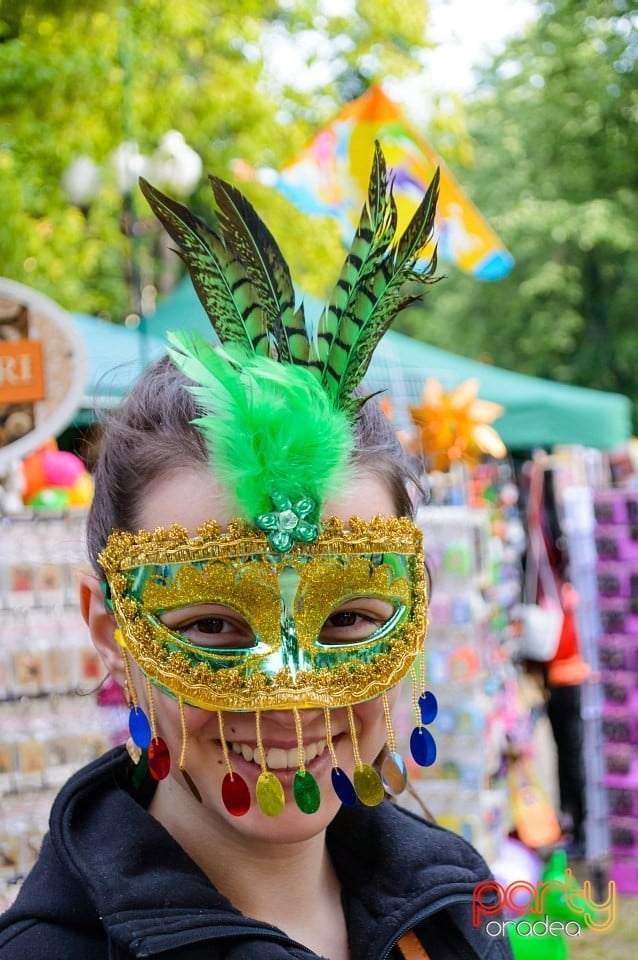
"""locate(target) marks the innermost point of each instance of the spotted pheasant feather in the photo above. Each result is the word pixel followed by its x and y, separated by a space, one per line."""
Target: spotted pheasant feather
pixel 370 290
pixel 218 274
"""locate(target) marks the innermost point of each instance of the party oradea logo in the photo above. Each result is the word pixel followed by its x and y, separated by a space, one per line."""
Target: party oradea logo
pixel 43 370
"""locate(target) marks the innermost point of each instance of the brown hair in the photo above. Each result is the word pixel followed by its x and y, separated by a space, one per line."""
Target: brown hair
pixel 151 435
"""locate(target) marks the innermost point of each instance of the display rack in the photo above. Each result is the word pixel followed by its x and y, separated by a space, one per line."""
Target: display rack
pixel 615 514
pixel 468 666
pixel 50 723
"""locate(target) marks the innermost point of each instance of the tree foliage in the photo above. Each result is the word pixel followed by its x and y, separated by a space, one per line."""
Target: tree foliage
pixel 80 79
pixel 555 137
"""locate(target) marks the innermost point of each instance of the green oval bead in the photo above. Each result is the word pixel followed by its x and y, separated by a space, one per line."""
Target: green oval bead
pixel 306 792
pixel 368 785
pixel 270 794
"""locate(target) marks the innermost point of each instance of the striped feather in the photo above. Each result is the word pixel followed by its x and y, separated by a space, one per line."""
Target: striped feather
pixel 219 277
pixel 375 231
pixel 376 297
pixel 248 235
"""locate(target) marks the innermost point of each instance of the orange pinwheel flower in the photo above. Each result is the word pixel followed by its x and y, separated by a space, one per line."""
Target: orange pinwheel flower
pixel 455 427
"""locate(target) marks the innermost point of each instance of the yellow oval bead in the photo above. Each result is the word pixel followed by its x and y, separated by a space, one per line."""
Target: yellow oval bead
pixel 270 794
pixel 368 785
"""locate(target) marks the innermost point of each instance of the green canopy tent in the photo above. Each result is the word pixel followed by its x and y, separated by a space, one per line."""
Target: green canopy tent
pixel 539 413
pixel 116 355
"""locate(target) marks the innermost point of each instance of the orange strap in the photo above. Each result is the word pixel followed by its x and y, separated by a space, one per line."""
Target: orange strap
pixel 410 947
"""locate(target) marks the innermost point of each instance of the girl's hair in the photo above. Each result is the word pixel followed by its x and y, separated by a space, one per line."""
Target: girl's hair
pixel 151 435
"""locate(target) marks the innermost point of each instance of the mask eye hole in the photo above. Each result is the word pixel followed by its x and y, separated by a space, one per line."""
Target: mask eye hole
pixel 210 625
pixel 355 621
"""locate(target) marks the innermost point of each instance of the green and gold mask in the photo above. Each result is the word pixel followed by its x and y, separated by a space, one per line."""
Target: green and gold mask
pixel 283 609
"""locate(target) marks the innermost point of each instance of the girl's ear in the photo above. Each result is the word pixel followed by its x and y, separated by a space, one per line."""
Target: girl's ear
pixel 102 626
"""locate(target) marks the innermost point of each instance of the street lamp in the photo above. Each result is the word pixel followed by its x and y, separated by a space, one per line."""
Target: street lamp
pixel 175 168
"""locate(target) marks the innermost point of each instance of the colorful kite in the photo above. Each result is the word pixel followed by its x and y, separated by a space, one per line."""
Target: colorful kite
pixel 330 177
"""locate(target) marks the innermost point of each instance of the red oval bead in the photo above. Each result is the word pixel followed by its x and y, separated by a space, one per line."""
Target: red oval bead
pixel 159 759
pixel 235 794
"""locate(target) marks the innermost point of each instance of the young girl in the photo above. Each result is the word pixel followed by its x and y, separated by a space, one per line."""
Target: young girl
pixel 259 593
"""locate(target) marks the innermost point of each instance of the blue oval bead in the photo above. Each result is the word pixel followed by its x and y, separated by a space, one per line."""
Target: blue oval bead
pixel 342 786
pixel 422 747
pixel 428 707
pixel 139 727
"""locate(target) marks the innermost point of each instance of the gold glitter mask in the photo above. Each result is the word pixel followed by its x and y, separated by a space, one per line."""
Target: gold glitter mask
pixel 222 622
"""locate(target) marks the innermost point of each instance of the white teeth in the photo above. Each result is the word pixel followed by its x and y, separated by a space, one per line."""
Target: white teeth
pixel 277 758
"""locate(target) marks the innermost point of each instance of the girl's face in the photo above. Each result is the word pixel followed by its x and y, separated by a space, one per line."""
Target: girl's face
pixel 189 497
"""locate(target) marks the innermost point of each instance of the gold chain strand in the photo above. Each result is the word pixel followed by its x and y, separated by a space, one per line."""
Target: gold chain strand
pixel 229 766
pixel 353 737
pixel 301 760
pixel 130 687
pixel 422 669
pixel 182 720
pixel 415 697
pixel 388 723
pixel 331 749
pixel 260 745
pixel 151 708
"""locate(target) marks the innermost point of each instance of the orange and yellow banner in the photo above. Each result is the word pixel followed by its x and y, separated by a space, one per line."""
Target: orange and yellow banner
pixel 330 177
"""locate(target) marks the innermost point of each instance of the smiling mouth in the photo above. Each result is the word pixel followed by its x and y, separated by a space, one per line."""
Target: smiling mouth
pixel 278 758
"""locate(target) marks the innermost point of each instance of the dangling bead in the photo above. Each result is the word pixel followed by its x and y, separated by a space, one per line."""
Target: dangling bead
pixel 341 783
pixel 268 790
pixel 422 743
pixel 134 752
pixel 394 774
pixel 305 788
pixel 235 792
pixel 422 747
pixel 368 785
pixel 139 727
pixel 188 780
pixel 342 786
pixel 159 759
pixel 270 794
pixel 138 724
pixel 428 707
pixel 367 782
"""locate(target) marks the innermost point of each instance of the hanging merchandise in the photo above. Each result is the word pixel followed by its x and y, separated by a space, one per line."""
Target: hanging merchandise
pixel 533 814
pixel 541 612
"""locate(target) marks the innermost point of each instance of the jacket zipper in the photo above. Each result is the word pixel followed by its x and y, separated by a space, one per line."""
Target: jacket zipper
pixel 423 915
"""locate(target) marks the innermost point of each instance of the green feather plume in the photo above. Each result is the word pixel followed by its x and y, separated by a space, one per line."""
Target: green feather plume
pixel 369 293
pixel 277 409
pixel 244 282
pixel 266 268
pixel 271 428
pixel 218 275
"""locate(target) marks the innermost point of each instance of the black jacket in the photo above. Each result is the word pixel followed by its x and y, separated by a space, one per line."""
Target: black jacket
pixel 112 884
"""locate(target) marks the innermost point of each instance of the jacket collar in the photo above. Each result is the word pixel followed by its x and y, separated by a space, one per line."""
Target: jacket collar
pixel 151 897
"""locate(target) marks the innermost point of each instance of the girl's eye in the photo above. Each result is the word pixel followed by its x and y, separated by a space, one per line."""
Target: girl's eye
pixel 206 627
pixel 355 621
